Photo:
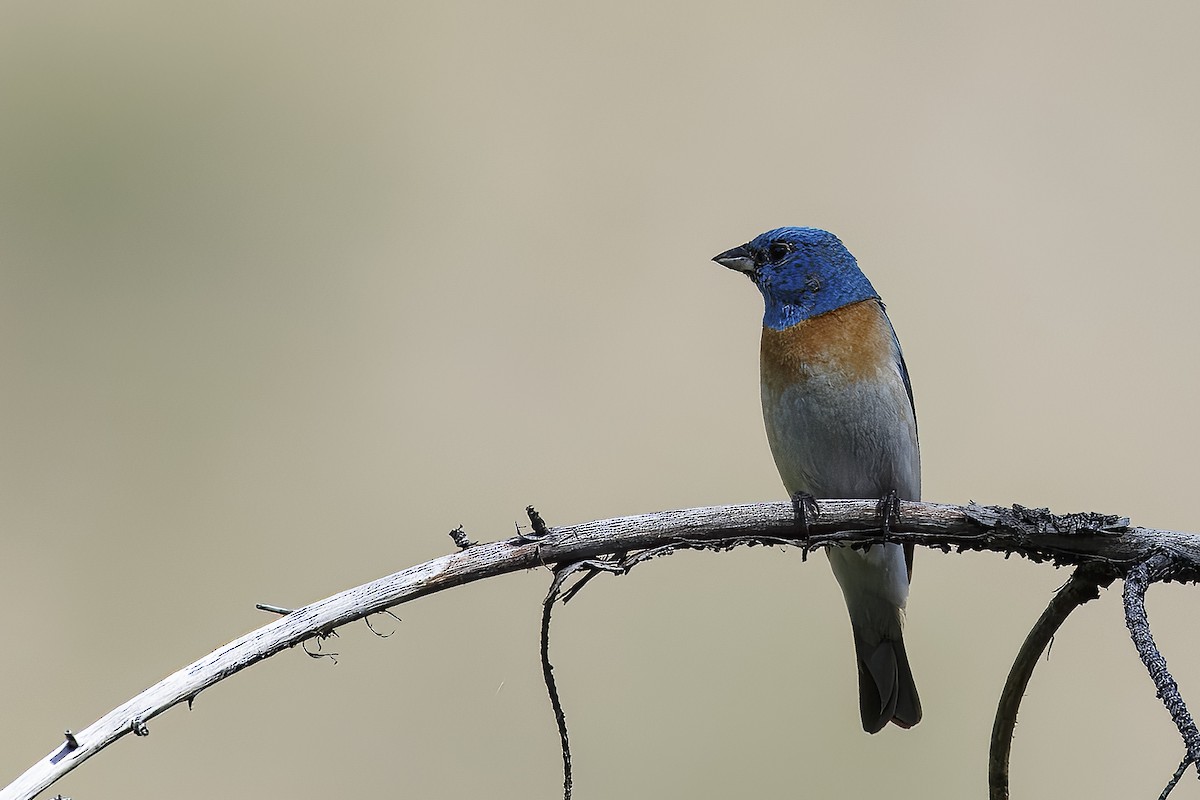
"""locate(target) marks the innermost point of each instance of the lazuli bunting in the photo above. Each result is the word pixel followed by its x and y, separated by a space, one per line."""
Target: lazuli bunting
pixel 840 421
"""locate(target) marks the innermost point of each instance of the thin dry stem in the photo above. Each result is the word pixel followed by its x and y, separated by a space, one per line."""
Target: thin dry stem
pixel 1083 586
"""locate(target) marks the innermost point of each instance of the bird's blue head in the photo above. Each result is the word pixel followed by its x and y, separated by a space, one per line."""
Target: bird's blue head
pixel 801 272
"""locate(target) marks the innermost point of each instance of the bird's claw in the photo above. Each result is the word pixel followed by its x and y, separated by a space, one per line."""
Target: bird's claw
pixel 804 507
pixel 888 509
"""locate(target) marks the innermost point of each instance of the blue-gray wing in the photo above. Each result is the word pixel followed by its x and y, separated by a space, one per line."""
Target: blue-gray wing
pixel 904 375
pixel 900 365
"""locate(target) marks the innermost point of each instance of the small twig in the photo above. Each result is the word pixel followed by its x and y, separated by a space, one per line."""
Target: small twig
pixel 535 521
pixel 70 744
pixel 371 627
pixel 1137 580
pixel 280 610
pixel 560 718
pixel 594 567
pixel 1083 586
pixel 461 541
pixel 569 594
pixel 538 529
pixel 1183 765
pixel 320 637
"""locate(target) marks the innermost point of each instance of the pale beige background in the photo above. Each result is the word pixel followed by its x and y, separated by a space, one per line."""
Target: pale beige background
pixel 289 290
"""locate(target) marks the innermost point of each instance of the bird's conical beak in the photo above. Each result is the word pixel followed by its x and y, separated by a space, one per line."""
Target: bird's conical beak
pixel 738 258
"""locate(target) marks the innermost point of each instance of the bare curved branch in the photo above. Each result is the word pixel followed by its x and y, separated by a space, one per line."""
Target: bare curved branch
pixel 1083 586
pixel 1106 542
pixel 1171 784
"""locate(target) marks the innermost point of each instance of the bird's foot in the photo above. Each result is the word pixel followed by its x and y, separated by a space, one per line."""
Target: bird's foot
pixel 805 507
pixel 888 510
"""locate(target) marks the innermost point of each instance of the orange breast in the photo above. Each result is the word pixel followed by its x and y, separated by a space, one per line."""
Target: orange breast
pixel 848 344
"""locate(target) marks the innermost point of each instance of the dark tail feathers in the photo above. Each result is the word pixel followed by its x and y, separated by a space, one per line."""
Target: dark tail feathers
pixel 886 692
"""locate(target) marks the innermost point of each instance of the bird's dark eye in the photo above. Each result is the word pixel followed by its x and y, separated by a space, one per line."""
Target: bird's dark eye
pixel 777 251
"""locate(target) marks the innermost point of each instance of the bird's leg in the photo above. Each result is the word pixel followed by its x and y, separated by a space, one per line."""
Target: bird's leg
pixel 888 510
pixel 804 506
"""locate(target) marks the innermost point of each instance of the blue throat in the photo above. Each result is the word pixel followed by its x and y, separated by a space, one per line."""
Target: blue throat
pixel 785 309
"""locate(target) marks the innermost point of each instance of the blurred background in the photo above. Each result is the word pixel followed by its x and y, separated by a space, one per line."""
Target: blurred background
pixel 289 290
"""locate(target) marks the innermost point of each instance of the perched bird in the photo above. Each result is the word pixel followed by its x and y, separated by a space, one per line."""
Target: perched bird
pixel 841 423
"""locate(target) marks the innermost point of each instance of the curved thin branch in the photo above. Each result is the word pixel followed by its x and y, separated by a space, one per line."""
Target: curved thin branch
pixel 1036 534
pixel 1137 581
pixel 560 717
pixel 1171 784
pixel 590 568
pixel 1083 586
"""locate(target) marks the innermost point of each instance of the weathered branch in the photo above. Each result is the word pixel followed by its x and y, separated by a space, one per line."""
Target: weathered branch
pixel 1106 543
pixel 1083 586
pixel 1171 784
pixel 1137 580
